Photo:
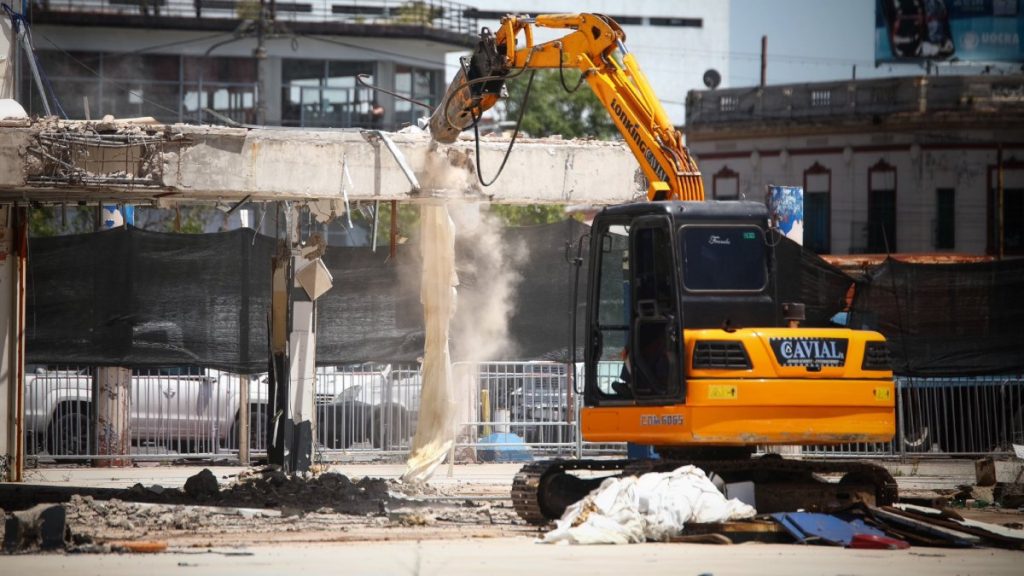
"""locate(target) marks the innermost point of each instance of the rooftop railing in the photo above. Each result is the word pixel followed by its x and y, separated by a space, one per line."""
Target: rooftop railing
pixel 436 14
pixel 856 98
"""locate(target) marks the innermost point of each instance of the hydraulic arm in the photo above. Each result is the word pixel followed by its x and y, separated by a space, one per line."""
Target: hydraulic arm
pixel 596 47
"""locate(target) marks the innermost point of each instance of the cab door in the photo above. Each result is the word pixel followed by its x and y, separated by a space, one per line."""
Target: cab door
pixel 656 338
pixel 634 337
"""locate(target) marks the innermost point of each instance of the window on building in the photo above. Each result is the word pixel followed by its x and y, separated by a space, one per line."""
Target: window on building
pixel 227 86
pixel 678 22
pixel 821 98
pixel 818 209
pixel 881 208
pixel 1012 240
pixel 420 85
pixel 324 93
pixel 725 184
pixel 945 219
pixel 166 87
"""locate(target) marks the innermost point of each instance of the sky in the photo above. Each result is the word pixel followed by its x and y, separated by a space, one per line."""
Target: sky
pixel 808 40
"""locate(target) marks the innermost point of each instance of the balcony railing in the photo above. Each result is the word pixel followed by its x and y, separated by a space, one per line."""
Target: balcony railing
pixel 435 14
pixel 852 99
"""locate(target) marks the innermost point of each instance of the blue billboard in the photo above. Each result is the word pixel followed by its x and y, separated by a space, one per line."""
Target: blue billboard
pixel 961 30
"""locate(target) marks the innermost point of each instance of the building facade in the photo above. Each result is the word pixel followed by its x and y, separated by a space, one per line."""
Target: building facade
pixel 247 61
pixel 914 164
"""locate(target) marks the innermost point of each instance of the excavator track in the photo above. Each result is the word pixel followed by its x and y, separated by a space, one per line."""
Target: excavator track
pixel 542 490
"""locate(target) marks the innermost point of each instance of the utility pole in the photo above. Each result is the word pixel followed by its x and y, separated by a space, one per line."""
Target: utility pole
pixel 764 61
pixel 260 54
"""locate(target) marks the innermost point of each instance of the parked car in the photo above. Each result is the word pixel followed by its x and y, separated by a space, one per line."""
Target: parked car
pixel 178 408
pixel 539 402
pixel 375 406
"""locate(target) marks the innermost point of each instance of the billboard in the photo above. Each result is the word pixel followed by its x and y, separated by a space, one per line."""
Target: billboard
pixel 786 210
pixel 962 30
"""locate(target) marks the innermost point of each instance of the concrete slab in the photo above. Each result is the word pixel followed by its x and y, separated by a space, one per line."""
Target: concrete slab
pixel 50 161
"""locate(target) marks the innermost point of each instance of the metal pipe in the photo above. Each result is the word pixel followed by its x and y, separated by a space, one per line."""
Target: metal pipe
pixel 394 230
pixel 243 420
pixel 23 36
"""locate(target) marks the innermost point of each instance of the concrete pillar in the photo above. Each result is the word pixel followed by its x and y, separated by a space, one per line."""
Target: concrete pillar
pixel 113 432
pixel 272 89
pixel 111 387
pixel 12 345
pixel 385 78
pixel 293 357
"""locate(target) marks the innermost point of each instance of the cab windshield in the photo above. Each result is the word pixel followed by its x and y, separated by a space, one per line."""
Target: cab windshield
pixel 723 258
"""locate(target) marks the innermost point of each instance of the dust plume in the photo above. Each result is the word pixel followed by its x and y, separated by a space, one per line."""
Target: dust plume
pixel 477 327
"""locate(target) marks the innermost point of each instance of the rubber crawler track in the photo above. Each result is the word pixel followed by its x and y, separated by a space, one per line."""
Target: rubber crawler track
pixel 529 488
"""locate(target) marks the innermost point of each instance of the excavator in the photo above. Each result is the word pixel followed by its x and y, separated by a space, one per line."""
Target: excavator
pixel 686 348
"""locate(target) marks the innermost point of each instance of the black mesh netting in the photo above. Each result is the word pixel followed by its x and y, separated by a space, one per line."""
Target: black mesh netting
pixel 948 319
pixel 134 298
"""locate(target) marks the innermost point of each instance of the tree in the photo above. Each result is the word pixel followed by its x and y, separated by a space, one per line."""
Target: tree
pixel 551 110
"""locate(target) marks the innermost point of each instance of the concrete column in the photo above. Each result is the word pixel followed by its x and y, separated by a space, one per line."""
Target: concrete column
pixel 12 350
pixel 386 79
pixel 113 432
pixel 271 73
pixel 293 358
pixel 111 387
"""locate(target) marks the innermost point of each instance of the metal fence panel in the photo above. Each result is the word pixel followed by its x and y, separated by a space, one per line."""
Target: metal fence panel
pixel 373 409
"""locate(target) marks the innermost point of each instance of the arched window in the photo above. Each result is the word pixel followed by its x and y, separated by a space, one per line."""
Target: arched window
pixel 881 208
pixel 818 209
pixel 725 184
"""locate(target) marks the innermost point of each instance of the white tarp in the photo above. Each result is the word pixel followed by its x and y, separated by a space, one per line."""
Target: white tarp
pixel 653 506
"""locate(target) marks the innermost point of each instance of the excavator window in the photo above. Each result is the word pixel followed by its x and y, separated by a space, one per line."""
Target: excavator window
pixel 635 336
pixel 655 333
pixel 721 257
pixel 612 313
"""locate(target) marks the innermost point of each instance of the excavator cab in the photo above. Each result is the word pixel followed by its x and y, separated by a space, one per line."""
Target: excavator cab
pixel 657 270
pixel 686 346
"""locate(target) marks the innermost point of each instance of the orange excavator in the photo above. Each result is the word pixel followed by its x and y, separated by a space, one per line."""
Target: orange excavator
pixel 686 348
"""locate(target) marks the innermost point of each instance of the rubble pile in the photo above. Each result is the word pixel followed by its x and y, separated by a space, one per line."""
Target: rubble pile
pixel 273 489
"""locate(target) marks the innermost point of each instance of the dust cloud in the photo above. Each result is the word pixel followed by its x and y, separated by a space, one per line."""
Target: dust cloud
pixel 478 327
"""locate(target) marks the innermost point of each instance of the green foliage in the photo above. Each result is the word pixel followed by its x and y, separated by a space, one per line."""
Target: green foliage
pixel 551 110
pixel 247 9
pixel 57 220
pixel 417 12
pixel 528 215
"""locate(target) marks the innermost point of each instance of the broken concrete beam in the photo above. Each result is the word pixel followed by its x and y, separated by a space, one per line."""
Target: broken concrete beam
pixel 43 526
pixel 183 162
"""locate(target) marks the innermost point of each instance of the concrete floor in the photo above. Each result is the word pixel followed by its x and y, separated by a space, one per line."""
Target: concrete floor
pixel 503 553
pixel 524 556
pixel 912 475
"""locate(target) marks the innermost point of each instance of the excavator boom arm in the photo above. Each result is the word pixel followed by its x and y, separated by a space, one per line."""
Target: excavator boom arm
pixel 621 87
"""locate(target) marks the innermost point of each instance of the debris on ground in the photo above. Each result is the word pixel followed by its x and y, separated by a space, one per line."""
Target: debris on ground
pixel 653 506
pixel 42 527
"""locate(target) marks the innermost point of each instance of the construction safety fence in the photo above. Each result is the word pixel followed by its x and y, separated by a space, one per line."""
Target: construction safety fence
pixel 505 409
